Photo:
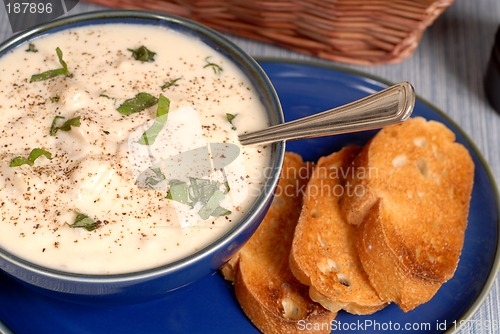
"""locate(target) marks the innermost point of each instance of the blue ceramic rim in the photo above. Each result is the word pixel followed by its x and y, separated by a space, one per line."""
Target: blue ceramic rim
pixel 221 44
pixel 473 307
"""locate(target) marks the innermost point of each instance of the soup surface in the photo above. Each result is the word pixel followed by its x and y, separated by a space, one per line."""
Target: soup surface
pixel 119 148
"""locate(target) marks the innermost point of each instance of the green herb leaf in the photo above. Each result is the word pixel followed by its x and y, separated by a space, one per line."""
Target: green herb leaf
pixel 170 83
pixel 137 104
pixel 34 154
pixel 31 48
pixel 106 132
pixel 61 60
pixel 38 152
pixel 48 75
pixel 178 192
pixel 143 54
pixel 230 118
pixel 54 99
pixel 153 180
pixel 217 68
pixel 206 192
pixel 106 96
pixel 53 73
pixel 149 136
pixel 84 221
pixel 53 128
pixel 201 189
pixel 75 121
pixel 212 205
pixel 220 211
pixel 18 161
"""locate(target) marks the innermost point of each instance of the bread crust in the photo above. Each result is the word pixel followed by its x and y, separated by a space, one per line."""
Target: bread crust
pixel 391 279
pixel 324 254
pixel 413 211
pixel 272 298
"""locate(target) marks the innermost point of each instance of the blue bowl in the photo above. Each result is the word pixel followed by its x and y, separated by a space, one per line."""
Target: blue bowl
pixel 155 282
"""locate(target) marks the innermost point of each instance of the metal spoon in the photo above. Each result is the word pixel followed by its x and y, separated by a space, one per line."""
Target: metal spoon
pixel 391 105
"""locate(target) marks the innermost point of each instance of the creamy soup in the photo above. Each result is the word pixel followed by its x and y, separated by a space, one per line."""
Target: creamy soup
pixel 119 148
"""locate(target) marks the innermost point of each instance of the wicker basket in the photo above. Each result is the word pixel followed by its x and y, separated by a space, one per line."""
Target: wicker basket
pixel 364 32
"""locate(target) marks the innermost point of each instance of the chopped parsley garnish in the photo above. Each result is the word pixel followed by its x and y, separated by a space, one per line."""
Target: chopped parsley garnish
pixel 108 97
pixel 34 154
pixel 202 189
pixel 230 118
pixel 143 54
pixel 211 207
pixel 220 211
pixel 84 221
pixel 217 68
pixel 66 126
pixel 179 192
pixel 31 48
pixel 208 193
pixel 106 132
pixel 55 99
pixel 53 73
pixel 170 83
pixel 152 178
pixel 149 136
pixel 137 104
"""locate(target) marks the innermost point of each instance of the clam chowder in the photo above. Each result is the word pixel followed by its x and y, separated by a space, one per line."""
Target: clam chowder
pixel 119 148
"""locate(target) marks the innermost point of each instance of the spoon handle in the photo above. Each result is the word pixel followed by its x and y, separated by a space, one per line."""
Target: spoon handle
pixel 391 105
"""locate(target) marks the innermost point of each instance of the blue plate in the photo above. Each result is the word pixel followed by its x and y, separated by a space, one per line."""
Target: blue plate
pixel 210 305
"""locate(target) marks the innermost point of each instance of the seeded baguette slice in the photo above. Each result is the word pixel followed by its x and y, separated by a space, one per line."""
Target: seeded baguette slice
pixel 414 187
pixel 324 254
pixel 267 291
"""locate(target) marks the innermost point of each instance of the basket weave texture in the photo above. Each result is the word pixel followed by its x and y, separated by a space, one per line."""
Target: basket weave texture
pixel 363 32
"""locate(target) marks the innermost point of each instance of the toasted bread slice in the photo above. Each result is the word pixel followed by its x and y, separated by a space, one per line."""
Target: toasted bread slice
pixel 324 254
pixel 267 291
pixel 410 195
